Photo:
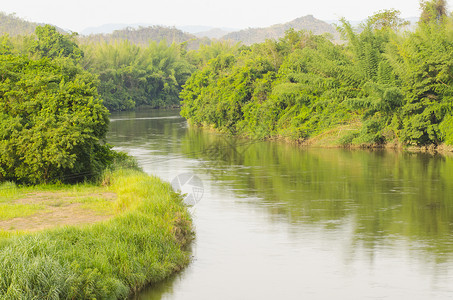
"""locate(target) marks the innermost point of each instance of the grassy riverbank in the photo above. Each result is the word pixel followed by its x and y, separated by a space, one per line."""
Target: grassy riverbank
pixel 141 242
pixel 339 137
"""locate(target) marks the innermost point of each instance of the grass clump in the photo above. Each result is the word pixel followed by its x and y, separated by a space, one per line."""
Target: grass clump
pixel 8 190
pixel 142 244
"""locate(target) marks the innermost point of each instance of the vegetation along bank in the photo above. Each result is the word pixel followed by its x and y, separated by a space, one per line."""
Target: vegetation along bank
pixel 141 243
pixel 77 219
pixel 385 85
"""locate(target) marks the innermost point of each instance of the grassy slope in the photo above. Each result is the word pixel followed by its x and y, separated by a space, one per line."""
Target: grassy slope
pixel 142 244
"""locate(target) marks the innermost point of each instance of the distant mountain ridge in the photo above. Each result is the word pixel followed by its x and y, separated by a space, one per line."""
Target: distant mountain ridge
pixel 246 36
pixel 13 25
pixel 142 34
pixel 258 35
pixel 214 33
pixel 110 28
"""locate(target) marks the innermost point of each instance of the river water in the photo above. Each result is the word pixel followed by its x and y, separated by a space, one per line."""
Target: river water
pixel 276 221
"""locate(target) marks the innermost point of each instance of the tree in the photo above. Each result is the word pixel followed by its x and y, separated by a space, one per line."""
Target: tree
pixel 433 10
pixel 52 44
pixel 387 19
pixel 52 121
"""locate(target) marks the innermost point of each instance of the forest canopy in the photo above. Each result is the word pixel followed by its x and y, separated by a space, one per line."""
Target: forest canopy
pixel 132 76
pixel 384 85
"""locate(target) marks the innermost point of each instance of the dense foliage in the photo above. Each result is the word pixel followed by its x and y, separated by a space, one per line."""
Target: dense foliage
pixel 52 121
pixel 55 96
pixel 132 76
pixel 51 44
pixel 129 76
pixel 385 85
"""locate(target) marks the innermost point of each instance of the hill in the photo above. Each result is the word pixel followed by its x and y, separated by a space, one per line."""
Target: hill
pixel 143 35
pixel 258 35
pixel 109 28
pixel 13 25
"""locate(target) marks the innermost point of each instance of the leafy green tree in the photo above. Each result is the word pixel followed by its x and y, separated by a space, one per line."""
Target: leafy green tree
pixel 279 88
pixel 424 63
pixel 52 121
pixel 387 19
pixel 51 43
pixel 205 53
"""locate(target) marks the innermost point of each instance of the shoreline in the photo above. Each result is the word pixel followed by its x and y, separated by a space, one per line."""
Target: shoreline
pixel 325 140
pixel 441 149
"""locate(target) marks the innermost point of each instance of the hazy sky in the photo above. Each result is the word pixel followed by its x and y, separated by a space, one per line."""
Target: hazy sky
pixel 80 14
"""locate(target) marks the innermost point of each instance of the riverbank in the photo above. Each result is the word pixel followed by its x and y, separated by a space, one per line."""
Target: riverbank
pixel 139 239
pixel 337 137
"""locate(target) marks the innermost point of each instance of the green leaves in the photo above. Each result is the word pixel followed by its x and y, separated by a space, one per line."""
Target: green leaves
pixel 51 120
pixel 433 10
pixel 269 89
pixel 400 87
pixel 423 62
pixel 133 76
pixel 53 44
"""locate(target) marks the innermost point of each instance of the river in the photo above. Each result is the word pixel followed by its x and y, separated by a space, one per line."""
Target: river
pixel 276 221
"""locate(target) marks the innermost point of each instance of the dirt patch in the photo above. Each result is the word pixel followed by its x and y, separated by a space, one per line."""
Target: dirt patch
pixel 49 197
pixel 60 210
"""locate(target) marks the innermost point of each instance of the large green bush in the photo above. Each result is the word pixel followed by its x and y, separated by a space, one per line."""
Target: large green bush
pixel 52 121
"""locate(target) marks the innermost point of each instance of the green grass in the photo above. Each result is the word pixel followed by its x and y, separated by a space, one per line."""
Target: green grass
pixel 8 191
pixel 143 243
pixel 98 204
pixel 10 211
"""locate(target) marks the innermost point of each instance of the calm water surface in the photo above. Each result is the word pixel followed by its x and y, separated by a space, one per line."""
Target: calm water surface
pixel 280 222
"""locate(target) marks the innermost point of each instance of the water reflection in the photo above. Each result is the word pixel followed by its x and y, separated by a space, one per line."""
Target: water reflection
pixel 282 221
pixel 388 193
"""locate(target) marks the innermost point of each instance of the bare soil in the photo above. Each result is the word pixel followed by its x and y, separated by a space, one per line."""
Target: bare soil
pixel 60 210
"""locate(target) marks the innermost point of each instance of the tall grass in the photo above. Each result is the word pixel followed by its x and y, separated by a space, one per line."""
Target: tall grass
pixel 142 244
pixel 8 190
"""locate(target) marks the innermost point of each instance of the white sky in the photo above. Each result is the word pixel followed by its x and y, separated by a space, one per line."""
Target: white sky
pixel 80 14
